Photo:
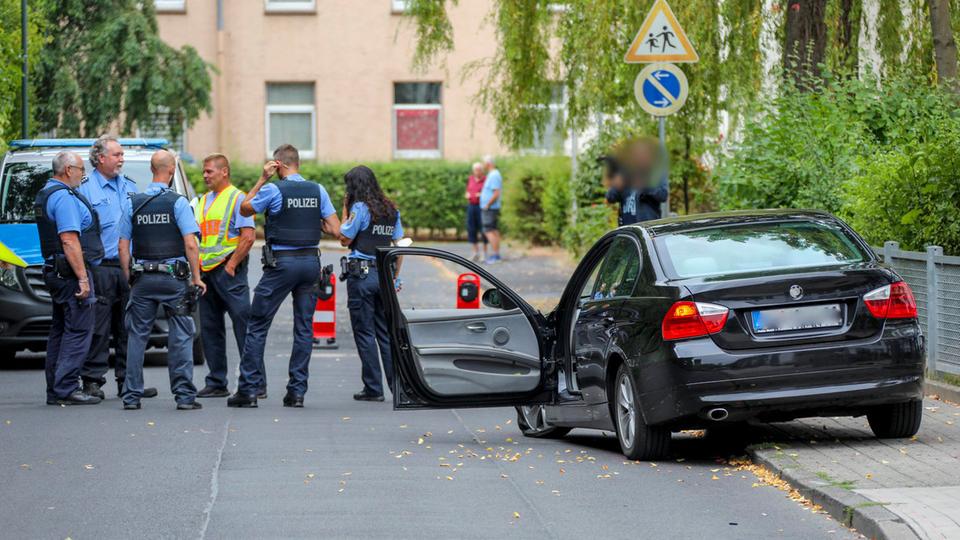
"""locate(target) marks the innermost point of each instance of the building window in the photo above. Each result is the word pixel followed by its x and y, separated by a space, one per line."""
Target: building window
pixel 417 120
pixel 399 6
pixel 170 6
pixel 291 118
pixel 552 138
pixel 160 126
pixel 290 6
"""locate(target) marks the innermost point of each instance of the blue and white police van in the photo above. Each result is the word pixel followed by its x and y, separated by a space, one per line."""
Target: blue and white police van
pixel 25 309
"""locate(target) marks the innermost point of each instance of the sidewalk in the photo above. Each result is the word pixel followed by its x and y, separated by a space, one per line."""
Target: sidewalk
pixel 895 489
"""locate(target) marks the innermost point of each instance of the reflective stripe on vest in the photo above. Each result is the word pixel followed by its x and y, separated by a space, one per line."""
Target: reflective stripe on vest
pixel 215 241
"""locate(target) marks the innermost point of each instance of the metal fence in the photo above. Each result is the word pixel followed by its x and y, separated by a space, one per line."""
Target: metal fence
pixel 935 280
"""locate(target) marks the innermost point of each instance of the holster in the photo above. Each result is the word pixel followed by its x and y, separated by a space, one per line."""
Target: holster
pixel 268 258
pixel 189 302
pixel 62 267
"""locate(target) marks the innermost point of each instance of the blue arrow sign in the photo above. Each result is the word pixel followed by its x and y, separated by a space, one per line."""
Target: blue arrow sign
pixel 661 89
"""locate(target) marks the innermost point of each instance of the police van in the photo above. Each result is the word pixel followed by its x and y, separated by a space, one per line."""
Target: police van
pixel 25 309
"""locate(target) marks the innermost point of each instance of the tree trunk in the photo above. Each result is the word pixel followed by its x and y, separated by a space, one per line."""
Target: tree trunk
pixel 848 34
pixel 806 40
pixel 944 46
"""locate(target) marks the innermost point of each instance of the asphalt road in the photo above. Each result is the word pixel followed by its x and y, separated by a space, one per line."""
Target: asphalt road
pixel 343 469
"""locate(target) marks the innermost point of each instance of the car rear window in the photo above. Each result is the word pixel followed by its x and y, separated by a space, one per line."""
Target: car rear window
pixel 757 247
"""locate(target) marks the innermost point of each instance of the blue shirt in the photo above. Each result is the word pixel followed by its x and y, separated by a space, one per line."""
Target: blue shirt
pixel 270 200
pixel 238 221
pixel 493 182
pixel 186 221
pixel 359 220
pixel 108 198
pixel 67 211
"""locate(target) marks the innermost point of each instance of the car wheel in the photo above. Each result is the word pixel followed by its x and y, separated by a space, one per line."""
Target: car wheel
pixel 637 439
pixel 532 420
pixel 197 352
pixel 896 421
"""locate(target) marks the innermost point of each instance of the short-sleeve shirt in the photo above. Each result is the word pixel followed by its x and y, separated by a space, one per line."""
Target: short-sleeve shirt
pixel 108 197
pixel 474 186
pixel 358 221
pixel 237 221
pixel 493 182
pixel 269 200
pixel 66 210
pixel 182 213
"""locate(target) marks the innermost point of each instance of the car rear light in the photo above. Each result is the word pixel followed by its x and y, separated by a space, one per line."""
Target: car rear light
pixel 892 302
pixel 693 319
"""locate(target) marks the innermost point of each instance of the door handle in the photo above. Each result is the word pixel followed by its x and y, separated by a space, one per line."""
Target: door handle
pixel 477 327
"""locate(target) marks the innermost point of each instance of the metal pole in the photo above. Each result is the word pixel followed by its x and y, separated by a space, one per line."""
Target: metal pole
pixel 574 150
pixel 933 315
pixel 664 206
pixel 24 99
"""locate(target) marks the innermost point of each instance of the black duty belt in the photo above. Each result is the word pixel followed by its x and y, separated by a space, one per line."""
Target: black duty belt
pixel 178 269
pixel 110 262
pixel 296 252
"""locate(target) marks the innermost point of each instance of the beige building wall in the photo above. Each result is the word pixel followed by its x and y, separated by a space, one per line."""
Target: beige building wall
pixel 353 51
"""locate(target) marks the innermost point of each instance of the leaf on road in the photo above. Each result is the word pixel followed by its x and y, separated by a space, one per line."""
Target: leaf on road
pixel 24 466
pixel 311 476
pixel 714 477
pixel 420 440
pixel 89 467
pixel 503 475
pixel 516 515
pixel 151 423
pixel 345 419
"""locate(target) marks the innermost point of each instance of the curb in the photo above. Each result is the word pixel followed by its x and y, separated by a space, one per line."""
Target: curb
pixel 942 390
pixel 847 507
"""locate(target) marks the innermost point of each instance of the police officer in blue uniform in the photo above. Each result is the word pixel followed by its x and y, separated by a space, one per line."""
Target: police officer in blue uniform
pixel 161 227
pixel 297 213
pixel 70 244
pixel 108 190
pixel 373 221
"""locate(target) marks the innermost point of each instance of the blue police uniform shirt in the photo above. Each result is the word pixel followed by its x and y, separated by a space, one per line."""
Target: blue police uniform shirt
pixel 270 199
pixel 182 212
pixel 238 221
pixel 108 198
pixel 67 211
pixel 359 220
pixel 493 182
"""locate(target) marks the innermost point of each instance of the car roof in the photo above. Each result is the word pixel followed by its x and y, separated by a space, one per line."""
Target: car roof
pixel 672 225
pixel 27 150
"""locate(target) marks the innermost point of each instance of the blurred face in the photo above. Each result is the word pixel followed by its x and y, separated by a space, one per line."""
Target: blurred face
pixel 112 160
pixel 75 172
pixel 215 176
pixel 478 170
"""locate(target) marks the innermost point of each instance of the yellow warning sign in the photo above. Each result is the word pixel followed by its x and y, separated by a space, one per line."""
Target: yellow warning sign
pixel 661 39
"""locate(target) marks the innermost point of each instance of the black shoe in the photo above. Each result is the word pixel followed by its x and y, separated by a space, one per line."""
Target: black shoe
pixel 262 394
pixel 211 391
pixel 293 400
pixel 93 389
pixel 367 396
pixel 189 406
pixel 240 400
pixel 52 401
pixel 149 392
pixel 78 398
pixel 131 406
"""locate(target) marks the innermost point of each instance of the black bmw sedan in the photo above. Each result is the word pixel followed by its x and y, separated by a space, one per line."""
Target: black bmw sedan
pixel 685 323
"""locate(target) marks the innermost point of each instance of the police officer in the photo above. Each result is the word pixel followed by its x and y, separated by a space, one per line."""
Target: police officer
pixel 373 221
pixel 107 190
pixel 226 237
pixel 297 213
pixel 70 243
pixel 159 224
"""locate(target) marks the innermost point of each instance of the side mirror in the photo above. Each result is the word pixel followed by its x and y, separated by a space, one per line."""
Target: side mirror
pixel 493 298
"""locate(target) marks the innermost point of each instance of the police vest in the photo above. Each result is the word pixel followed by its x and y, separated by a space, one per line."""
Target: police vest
pixel 50 245
pixel 155 236
pixel 379 233
pixel 298 223
pixel 215 241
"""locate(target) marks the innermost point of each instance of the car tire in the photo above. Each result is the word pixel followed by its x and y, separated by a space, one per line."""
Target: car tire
pixel 533 423
pixel 638 440
pixel 896 421
pixel 197 352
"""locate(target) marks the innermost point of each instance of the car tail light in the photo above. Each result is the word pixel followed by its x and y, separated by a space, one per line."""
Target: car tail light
pixel 693 319
pixel 892 302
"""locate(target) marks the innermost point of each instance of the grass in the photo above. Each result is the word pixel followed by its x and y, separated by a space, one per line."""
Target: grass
pixel 842 484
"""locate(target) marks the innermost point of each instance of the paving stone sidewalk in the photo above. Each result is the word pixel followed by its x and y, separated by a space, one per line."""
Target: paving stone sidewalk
pixel 900 488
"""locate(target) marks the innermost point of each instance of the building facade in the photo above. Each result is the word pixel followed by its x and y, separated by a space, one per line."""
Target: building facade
pixel 332 77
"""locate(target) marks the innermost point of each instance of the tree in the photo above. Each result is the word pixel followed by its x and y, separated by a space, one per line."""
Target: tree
pixel 10 63
pixel 944 45
pixel 805 39
pixel 105 63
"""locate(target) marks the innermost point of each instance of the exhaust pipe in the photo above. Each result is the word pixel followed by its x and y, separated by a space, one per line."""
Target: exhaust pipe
pixel 718 414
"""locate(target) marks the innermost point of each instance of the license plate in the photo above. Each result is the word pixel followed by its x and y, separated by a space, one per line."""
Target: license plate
pixel 797 318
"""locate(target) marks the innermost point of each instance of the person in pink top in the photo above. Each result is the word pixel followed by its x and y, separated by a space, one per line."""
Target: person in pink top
pixel 474 224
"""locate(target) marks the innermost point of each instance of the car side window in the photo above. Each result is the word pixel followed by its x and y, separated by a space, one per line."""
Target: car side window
pixel 619 271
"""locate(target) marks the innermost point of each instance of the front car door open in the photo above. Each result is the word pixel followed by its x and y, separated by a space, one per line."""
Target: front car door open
pixel 497 354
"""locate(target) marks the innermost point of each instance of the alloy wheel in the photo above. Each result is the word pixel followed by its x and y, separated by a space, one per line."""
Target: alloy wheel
pixel 626 411
pixel 535 417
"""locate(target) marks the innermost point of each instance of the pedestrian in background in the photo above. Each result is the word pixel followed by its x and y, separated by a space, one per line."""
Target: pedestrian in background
pixel 226 237
pixel 108 190
pixel 159 226
pixel 70 243
pixel 474 220
pixel 371 220
pixel 490 201
pixel 635 178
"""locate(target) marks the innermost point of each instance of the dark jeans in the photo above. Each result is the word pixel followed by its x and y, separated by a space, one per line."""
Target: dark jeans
pixel 369 323
pixel 70 334
pixel 225 295
pixel 150 292
pixel 297 275
pixel 475 225
pixel 113 293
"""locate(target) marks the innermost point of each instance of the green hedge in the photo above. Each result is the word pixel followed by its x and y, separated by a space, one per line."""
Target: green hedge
pixel 536 198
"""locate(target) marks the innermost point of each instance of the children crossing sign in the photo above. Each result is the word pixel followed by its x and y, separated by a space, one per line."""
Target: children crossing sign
pixel 661 39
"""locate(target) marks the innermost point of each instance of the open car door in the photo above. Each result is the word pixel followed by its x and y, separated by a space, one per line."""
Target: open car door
pixel 489 349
